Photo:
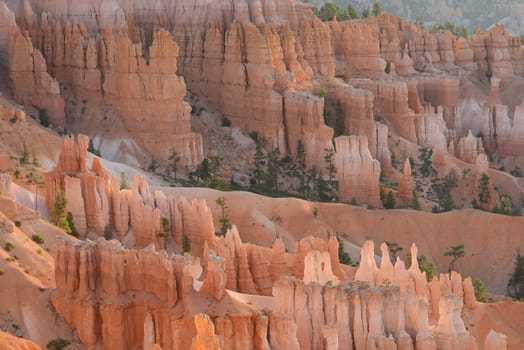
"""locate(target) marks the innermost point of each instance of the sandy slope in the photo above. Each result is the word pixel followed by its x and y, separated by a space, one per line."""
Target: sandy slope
pixel 490 240
pixel 28 277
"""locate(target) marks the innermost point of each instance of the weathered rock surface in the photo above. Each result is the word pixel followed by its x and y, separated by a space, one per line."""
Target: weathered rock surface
pixel 100 207
pixel 357 172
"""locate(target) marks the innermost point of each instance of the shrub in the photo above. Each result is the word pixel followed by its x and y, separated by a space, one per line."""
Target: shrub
pixel 58 344
pixel 44 118
pixel 480 290
pixel 2 272
pixel 186 245
pixel 226 122
pixel 18 223
pixel 343 256
pixel 9 246
pixel 38 239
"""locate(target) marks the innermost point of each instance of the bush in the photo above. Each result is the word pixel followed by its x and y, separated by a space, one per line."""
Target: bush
pixel 480 290
pixel 38 239
pixel 44 118
pixel 226 122
pixel 9 246
pixel 18 223
pixel 58 344
pixel 186 245
pixel 2 272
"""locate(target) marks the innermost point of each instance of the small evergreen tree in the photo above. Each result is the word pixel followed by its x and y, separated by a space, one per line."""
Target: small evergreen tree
pixel 153 166
pixel 516 282
pixel 351 13
pixel 329 158
pixel 224 219
pixel 390 201
pixel 377 9
pixel 484 193
pixel 174 159
pixel 74 232
pixel 366 13
pixel 394 248
pixel 425 266
pixel 480 290
pixel 415 202
pixel 186 245
pixel 43 117
pixel 59 212
pixel 343 256
pixel 456 252
pixel 124 182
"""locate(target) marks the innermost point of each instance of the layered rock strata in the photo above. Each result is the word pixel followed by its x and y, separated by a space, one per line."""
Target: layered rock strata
pixel 139 216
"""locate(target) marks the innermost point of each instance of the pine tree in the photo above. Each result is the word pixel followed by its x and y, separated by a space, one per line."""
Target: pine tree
pixel 390 201
pixel 456 252
pixel 329 154
pixel 59 212
pixel 484 194
pixel 124 182
pixel 377 9
pixel 186 245
pixel 351 12
pixel 174 159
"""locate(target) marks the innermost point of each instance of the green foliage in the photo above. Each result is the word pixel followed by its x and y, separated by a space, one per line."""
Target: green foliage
pixel 426 169
pixel 254 136
pixel 43 117
pixel 224 220
pixel 329 158
pixel 506 207
pixel 58 344
pixel 459 31
pixel 174 159
pixel 18 223
pixel 108 233
pixel 91 148
pixel 377 9
pixel 517 172
pixel 415 203
pixel 9 246
pixel 394 248
pixel 442 188
pixel 73 232
pixel 351 13
pixel 425 266
pixel 483 190
pixel 457 252
pixel 24 158
pixel 343 256
pixel 389 203
pixel 480 290
pixel 315 211
pixel 419 22
pixel 515 287
pixel 124 182
pixel 186 245
pixel 328 12
pixel 366 13
pixel 226 122
pixel 387 70
pixel 59 212
pixel 37 238
pixel 153 166
pixel 166 227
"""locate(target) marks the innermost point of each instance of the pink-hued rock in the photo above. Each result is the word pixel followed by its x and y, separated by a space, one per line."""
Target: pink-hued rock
pixel 215 281
pixel 205 338
pixel 26 69
pixel 357 172
pixel 495 341
pixel 405 188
